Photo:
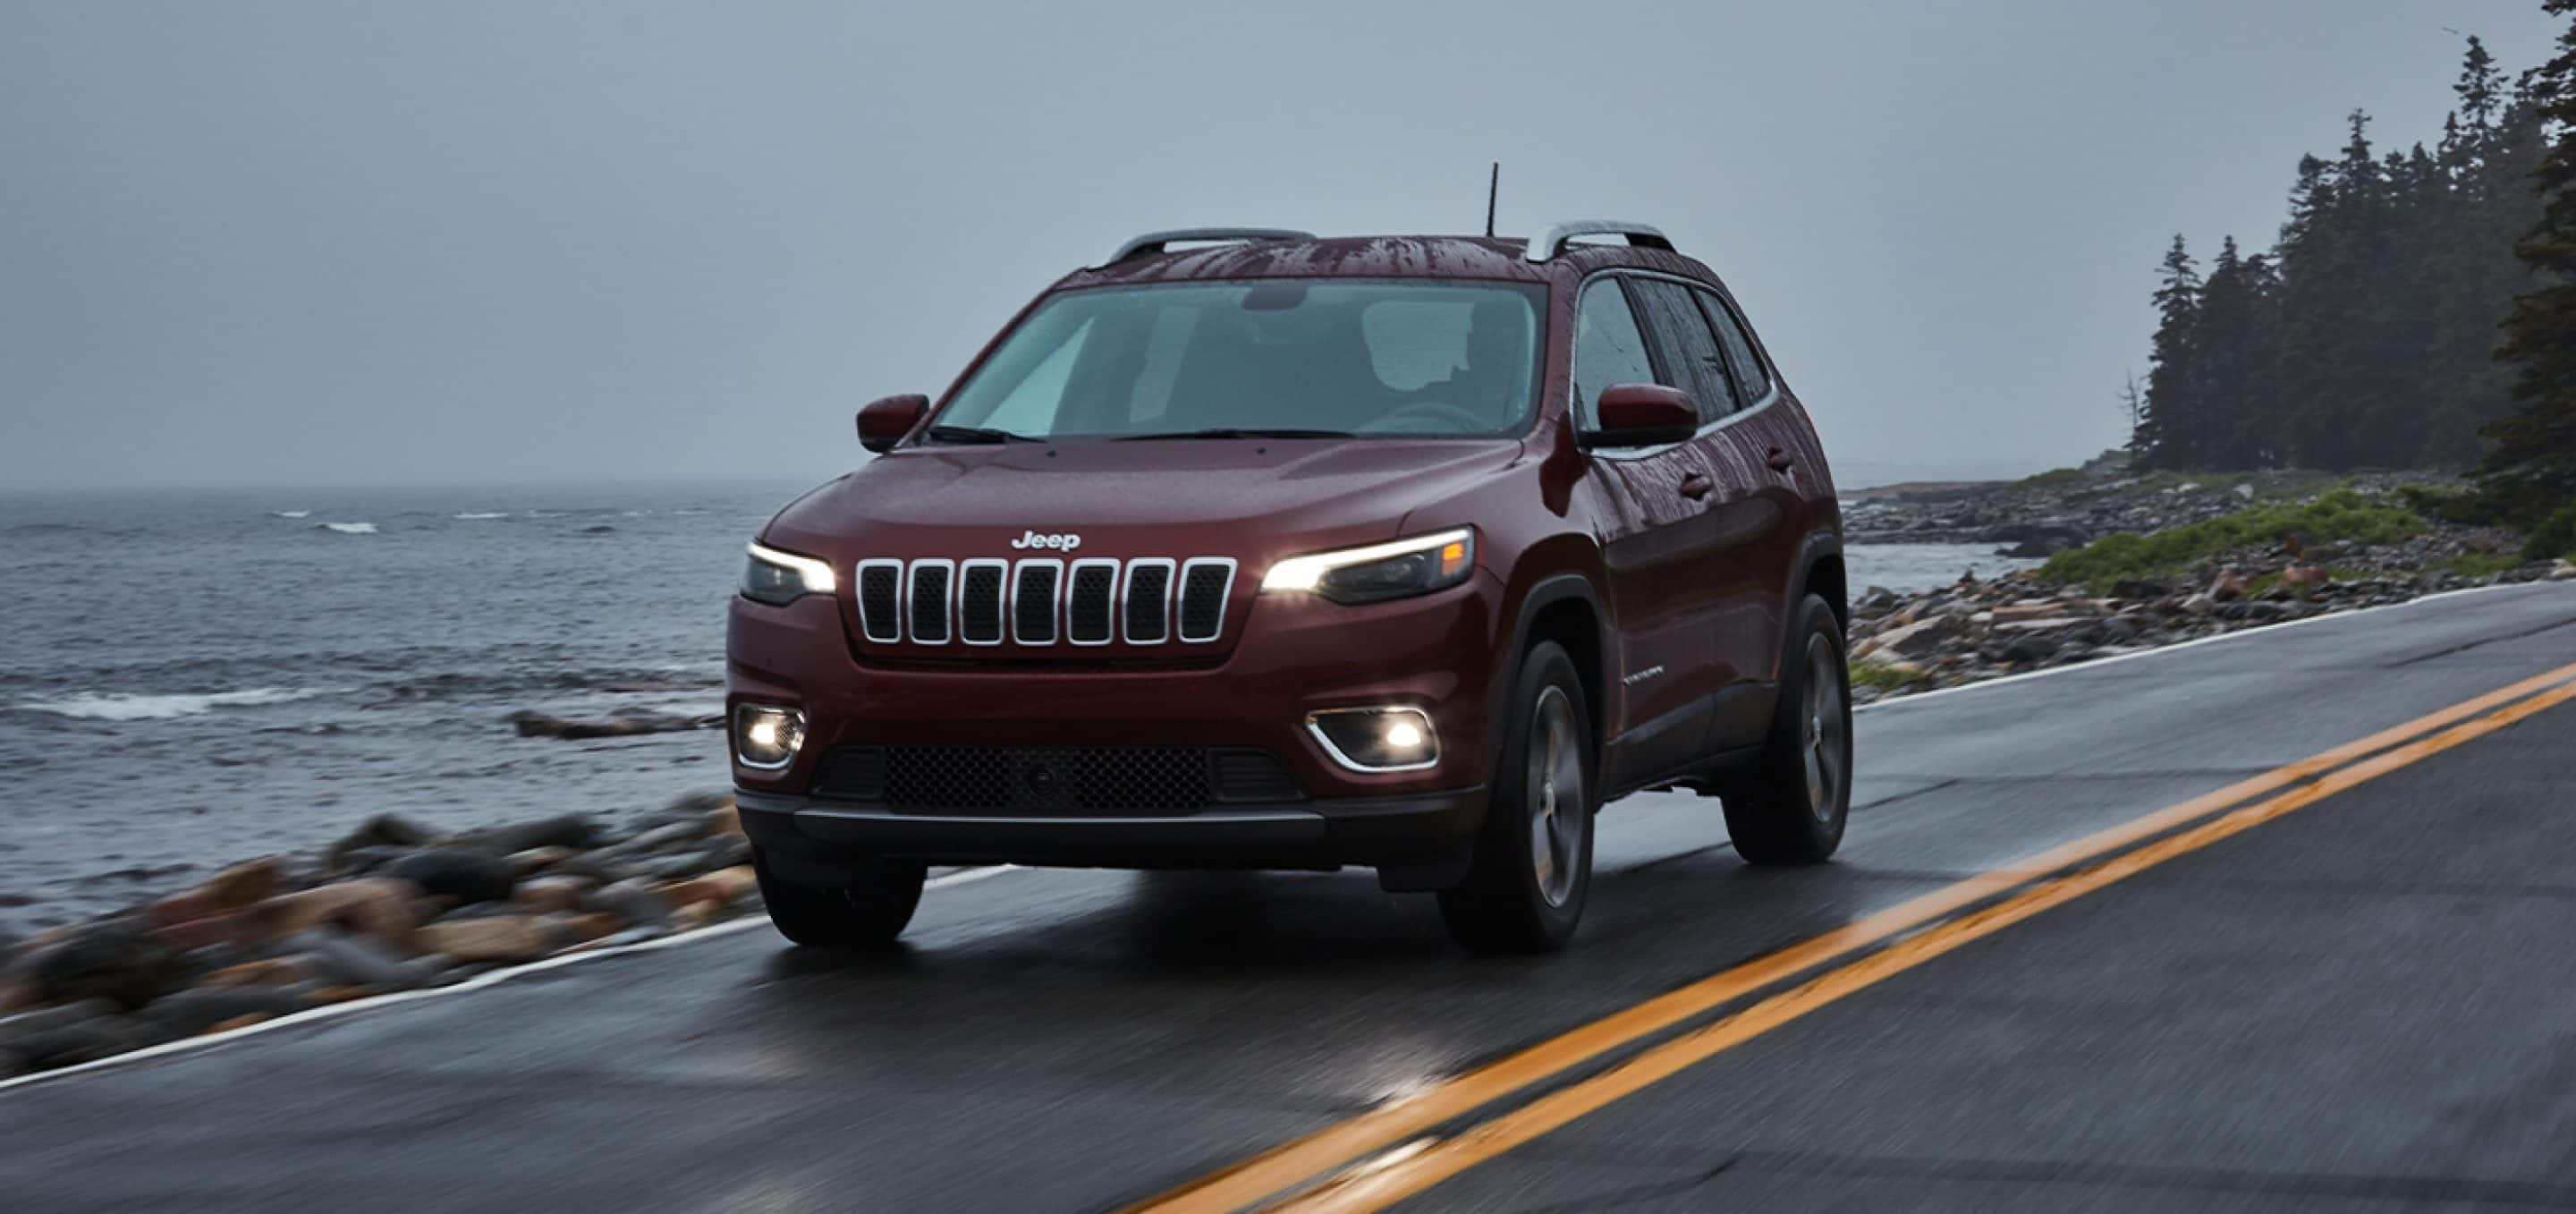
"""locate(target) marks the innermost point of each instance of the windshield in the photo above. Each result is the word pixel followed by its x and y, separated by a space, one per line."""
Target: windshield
pixel 1284 357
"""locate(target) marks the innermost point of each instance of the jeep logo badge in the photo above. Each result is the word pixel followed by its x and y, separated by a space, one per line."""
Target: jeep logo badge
pixel 1065 542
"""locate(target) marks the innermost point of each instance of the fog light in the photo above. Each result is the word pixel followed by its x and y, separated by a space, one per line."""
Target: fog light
pixel 767 738
pixel 1376 739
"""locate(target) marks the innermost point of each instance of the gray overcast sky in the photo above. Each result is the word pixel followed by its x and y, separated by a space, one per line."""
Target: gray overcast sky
pixel 255 242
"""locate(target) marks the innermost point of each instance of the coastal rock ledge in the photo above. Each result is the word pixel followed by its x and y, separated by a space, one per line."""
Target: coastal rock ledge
pixel 392 905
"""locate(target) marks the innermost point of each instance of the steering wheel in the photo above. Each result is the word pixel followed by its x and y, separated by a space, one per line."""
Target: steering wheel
pixel 1462 420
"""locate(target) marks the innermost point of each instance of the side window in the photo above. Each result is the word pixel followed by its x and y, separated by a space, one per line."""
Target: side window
pixel 1748 365
pixel 1608 349
pixel 1691 359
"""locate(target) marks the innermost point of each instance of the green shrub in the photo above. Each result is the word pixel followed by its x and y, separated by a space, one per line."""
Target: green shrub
pixel 2482 564
pixel 2342 516
pixel 1886 678
pixel 2467 507
pixel 2050 478
pixel 2554 537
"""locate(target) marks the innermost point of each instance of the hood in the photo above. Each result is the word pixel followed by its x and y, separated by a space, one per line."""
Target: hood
pixel 1253 499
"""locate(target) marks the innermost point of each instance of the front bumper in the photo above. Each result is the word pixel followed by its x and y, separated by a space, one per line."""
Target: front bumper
pixel 819 841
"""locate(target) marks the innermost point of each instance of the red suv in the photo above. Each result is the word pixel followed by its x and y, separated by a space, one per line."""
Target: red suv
pixel 1285 552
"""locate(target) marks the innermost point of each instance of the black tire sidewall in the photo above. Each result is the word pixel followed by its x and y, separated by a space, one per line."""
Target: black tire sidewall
pixel 1501 904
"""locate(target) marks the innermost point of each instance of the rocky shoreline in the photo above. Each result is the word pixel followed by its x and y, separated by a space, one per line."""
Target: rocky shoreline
pixel 2136 563
pixel 392 906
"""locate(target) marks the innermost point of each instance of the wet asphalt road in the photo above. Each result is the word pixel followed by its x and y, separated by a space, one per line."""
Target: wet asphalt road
pixel 2367 1004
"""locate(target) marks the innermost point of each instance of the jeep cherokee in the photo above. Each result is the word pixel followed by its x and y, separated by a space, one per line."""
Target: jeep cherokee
pixel 1283 552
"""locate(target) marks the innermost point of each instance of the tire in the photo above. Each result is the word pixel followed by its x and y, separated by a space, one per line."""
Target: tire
pixel 1792 807
pixel 868 913
pixel 1532 867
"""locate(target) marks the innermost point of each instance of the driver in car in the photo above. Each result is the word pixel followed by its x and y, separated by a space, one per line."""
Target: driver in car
pixel 1494 362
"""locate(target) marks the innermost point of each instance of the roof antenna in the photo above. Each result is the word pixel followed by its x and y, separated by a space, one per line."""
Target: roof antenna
pixel 1493 185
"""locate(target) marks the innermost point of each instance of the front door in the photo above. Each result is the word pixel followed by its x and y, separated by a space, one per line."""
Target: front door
pixel 1653 539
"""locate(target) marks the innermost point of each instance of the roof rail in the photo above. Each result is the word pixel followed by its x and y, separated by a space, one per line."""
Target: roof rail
pixel 1548 243
pixel 1155 242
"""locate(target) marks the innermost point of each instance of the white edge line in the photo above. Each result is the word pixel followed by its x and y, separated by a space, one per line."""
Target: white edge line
pixel 478 982
pixel 2159 650
pixel 971 875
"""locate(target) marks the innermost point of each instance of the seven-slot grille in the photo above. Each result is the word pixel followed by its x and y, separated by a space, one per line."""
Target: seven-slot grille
pixel 1043 601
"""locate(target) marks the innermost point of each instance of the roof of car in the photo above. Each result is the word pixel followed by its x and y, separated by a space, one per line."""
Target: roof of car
pixel 1486 257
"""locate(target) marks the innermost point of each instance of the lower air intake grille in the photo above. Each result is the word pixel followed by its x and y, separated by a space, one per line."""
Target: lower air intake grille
pixel 1087 779
pixel 1098 780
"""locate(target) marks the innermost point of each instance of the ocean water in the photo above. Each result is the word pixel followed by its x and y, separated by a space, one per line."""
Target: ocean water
pixel 189 679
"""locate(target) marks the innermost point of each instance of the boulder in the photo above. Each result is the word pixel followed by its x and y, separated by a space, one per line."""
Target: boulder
pixel 2229 587
pixel 559 892
pixel 724 820
pixel 575 831
pixel 381 831
pixel 632 900
pixel 243 885
pixel 2033 647
pixel 2139 590
pixel 1917 640
pixel 380 907
pixel 351 960
pixel 267 971
pixel 538 859
pixel 722 887
pixel 116 960
pixel 2305 577
pixel 504 938
pixel 460 873
pixel 2564 570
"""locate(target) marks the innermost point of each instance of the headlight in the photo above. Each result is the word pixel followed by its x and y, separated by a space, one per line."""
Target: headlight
pixel 1403 568
pixel 779 578
pixel 767 738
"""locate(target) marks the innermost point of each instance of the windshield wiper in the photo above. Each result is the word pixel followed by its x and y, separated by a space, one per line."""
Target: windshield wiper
pixel 1234 432
pixel 976 434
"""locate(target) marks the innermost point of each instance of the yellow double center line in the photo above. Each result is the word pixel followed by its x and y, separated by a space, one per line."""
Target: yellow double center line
pixel 1387 1154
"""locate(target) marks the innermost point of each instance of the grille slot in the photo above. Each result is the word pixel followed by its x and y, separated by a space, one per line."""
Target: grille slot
pixel 881 600
pixel 1104 780
pixel 1087 603
pixel 979 601
pixel 1205 582
pixel 1033 602
pixel 927 605
pixel 1149 601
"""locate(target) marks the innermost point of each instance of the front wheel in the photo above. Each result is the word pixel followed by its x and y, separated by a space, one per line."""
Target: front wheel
pixel 1533 863
pixel 869 912
pixel 1791 808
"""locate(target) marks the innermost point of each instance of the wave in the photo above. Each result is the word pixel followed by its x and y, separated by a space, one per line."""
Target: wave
pixel 476 516
pixel 119 706
pixel 291 513
pixel 348 528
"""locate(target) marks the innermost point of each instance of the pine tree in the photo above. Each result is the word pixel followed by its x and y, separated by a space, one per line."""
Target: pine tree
pixel 2174 428
pixel 2533 467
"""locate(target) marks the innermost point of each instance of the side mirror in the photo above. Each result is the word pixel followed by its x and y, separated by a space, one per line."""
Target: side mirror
pixel 883 422
pixel 1642 415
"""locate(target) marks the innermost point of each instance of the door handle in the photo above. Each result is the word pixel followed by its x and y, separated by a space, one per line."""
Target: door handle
pixel 1697 485
pixel 1780 459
